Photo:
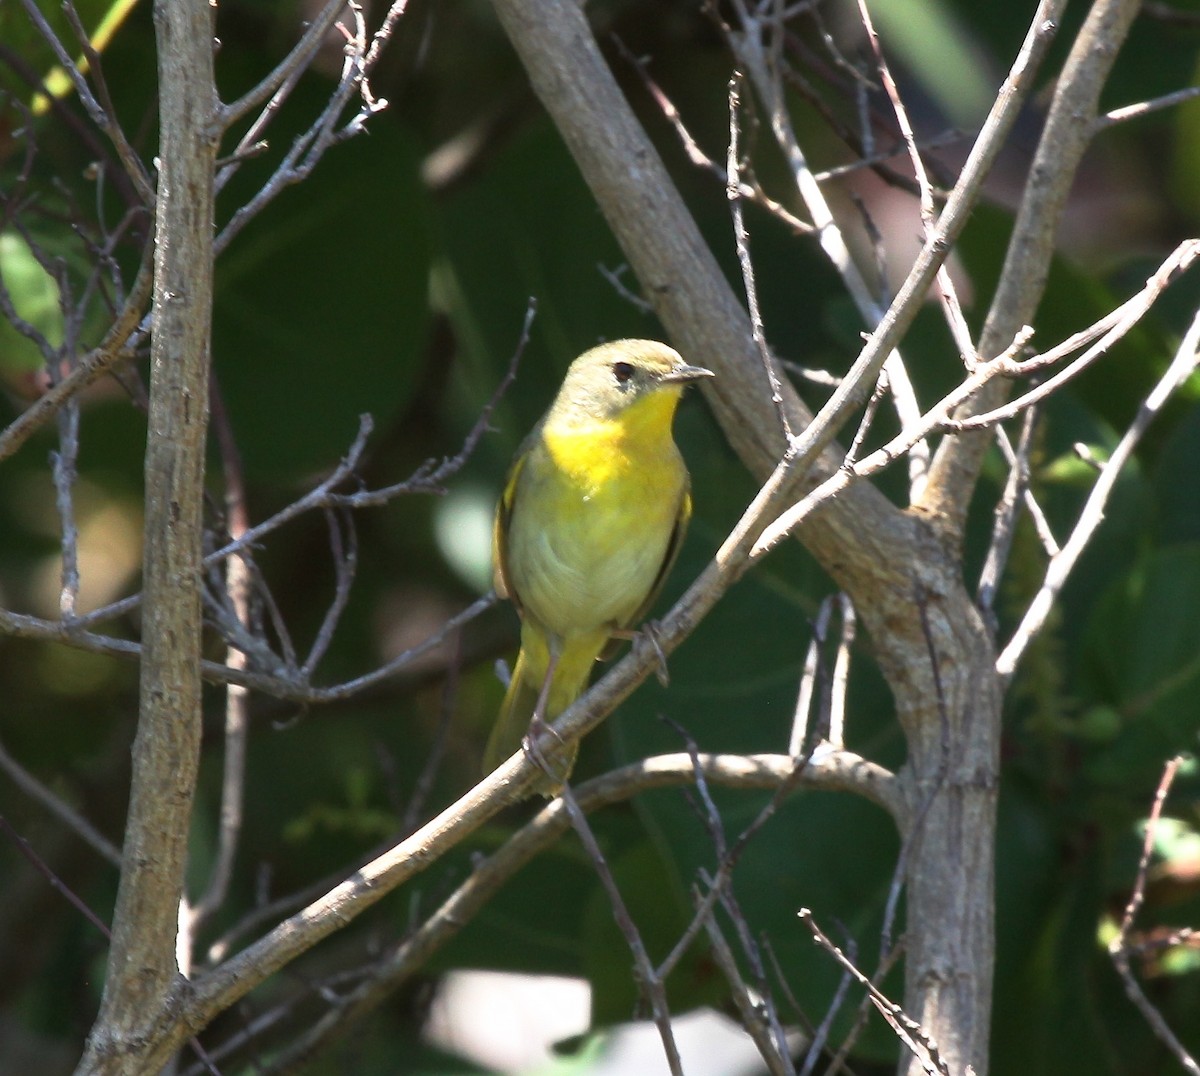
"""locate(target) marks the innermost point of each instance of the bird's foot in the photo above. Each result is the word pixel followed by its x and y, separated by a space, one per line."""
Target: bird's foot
pixel 556 763
pixel 649 631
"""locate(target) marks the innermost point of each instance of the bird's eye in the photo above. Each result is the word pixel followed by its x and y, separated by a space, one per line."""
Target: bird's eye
pixel 622 371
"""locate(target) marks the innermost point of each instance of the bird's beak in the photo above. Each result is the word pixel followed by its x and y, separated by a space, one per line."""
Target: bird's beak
pixel 683 374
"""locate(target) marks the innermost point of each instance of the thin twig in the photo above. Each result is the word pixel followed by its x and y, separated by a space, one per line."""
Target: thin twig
pixel 760 59
pixel 1119 947
pixel 279 685
pixel 345 565
pixel 1038 517
pixel 428 478
pixel 1144 108
pixel 613 276
pixel 297 60
pixel 101 117
pixel 489 874
pixel 1004 523
pixel 886 962
pixel 65 475
pixel 821 1034
pixel 74 821
pixel 778 1063
pixel 741 239
pixel 95 363
pixel 751 192
pixel 802 715
pixel 1105 332
pixel 907 408
pixel 134 166
pixel 40 865
pixel 1109 329
pixel 650 985
pixel 934 419
pixel 237 698
pixel 308 149
pixel 437 751
pixel 862 375
pixel 1090 516
pixel 907 1030
pixel 840 681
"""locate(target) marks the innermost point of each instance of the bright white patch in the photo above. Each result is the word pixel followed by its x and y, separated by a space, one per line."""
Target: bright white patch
pixel 509 1022
pixel 462 527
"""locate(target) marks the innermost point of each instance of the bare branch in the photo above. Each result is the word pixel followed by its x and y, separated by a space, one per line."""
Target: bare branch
pixel 308 149
pixel 295 62
pixel 1144 108
pixel 65 474
pixel 907 1030
pixel 841 674
pixel 142 970
pixel 237 698
pixel 107 120
pixel 1092 513
pixel 1110 328
pixel 742 241
pixel 856 384
pixel 1005 516
pixel 804 711
pixel 778 1062
pixel 547 827
pixel 1119 948
pixel 1064 138
pixel 750 192
pixel 94 364
pixel 650 985
pixel 74 821
pixel 101 116
pixel 56 883
pixel 1040 523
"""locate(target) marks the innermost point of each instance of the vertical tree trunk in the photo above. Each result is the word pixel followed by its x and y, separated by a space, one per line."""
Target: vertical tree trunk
pixel 940 663
pixel 142 973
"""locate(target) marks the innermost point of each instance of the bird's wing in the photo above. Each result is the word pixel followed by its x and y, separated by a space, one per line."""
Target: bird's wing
pixel 501 526
pixel 668 562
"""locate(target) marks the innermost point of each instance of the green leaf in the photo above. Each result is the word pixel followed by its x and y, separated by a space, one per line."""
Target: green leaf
pixel 1144 646
pixel 35 298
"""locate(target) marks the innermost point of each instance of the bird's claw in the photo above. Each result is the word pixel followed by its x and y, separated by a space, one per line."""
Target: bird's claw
pixel 650 631
pixel 556 775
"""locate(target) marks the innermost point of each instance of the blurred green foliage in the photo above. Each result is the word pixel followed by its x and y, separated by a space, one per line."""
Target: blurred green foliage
pixel 394 281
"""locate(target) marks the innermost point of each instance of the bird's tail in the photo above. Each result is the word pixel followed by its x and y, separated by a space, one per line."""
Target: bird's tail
pixel 528 676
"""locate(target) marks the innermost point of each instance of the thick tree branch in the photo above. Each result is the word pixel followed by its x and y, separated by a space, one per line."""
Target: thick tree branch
pixel 1067 134
pixel 143 978
pixel 831 770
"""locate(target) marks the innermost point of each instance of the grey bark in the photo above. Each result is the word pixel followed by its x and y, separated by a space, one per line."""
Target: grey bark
pixel 142 986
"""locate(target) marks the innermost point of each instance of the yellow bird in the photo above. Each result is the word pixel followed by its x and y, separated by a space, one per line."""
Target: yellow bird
pixel 590 521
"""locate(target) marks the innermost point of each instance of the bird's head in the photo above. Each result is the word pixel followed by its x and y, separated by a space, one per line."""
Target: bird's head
pixel 608 380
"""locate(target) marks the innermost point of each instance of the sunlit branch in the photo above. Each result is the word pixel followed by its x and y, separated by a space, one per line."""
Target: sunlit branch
pixel 842 770
pixel 1092 514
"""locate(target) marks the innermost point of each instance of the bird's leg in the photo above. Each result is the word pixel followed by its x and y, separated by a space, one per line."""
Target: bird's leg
pixel 537 721
pixel 649 631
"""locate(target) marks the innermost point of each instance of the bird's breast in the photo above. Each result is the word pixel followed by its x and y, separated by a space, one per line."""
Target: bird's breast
pixel 591 522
